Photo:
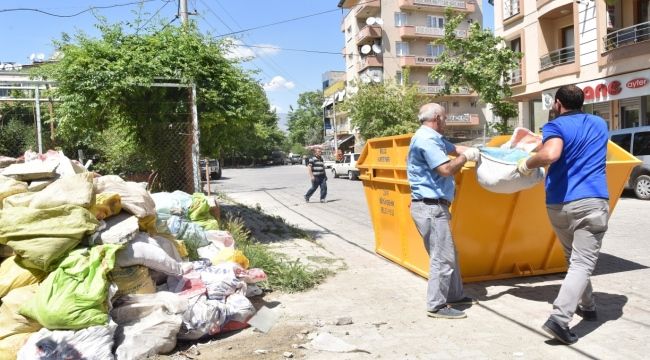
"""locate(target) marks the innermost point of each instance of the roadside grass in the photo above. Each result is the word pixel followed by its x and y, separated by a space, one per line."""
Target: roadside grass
pixel 283 274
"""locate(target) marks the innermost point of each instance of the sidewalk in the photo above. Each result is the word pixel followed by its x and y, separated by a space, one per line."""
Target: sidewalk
pixel 387 308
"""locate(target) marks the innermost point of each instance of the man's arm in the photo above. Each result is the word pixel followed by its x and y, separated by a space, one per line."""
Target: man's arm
pixel 458 149
pixel 453 166
pixel 309 170
pixel 549 153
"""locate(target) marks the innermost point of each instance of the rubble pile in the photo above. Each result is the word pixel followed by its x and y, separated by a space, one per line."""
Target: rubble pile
pixel 96 267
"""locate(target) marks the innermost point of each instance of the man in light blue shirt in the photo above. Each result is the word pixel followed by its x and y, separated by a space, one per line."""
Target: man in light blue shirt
pixel 431 177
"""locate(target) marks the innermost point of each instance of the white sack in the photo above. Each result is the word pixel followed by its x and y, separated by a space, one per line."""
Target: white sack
pixel 501 176
pixel 92 343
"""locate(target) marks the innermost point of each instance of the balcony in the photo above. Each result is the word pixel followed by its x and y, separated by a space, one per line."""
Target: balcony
pixel 627 36
pixel 367 8
pixel 557 57
pixel 418 61
pixel 370 61
pixel 462 119
pixel 437 89
pixel 368 34
pixel 427 32
pixel 436 5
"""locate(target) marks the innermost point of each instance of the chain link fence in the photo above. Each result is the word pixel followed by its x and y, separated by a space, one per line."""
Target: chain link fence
pixel 161 155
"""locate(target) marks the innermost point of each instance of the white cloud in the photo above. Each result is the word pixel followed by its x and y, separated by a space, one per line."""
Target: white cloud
pixel 240 50
pixel 276 108
pixel 279 83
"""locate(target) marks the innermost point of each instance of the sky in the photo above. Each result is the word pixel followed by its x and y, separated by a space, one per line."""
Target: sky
pixel 284 73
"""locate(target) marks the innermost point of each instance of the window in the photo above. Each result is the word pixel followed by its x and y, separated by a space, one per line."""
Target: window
pixel 510 8
pixel 401 48
pixel 623 140
pixel 356 157
pixel 348 34
pixel 435 50
pixel 401 19
pixel 436 22
pixel 455 104
pixel 346 159
pixel 642 143
pixel 398 78
pixel 434 82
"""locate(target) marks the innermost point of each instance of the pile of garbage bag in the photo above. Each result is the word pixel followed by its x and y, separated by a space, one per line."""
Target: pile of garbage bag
pixel 96 267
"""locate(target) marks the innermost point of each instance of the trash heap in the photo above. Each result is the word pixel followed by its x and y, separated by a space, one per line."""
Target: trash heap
pixel 96 267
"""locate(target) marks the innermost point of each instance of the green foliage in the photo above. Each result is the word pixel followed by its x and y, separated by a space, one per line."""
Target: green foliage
pixel 289 276
pixel 384 109
pixel 305 124
pixel 103 85
pixel 482 62
pixel 298 149
pixel 18 127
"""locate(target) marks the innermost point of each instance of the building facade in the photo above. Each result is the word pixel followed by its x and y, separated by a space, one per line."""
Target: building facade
pixel 602 47
pixel 384 38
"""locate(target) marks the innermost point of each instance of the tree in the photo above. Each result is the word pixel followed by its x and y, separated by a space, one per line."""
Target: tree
pixel 482 62
pixel 305 124
pixel 385 109
pixel 108 107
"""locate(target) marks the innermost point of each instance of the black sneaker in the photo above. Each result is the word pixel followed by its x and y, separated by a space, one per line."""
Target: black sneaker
pixel 562 334
pixel 306 198
pixel 465 300
pixel 323 200
pixel 447 313
pixel 587 315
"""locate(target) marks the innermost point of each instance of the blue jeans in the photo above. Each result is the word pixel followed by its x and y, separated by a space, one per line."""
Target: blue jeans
pixel 318 181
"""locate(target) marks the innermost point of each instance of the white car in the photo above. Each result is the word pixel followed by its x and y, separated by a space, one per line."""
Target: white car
pixel 347 167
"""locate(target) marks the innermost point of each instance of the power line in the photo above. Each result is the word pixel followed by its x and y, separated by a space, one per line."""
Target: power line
pixel 78 13
pixel 278 22
pixel 153 16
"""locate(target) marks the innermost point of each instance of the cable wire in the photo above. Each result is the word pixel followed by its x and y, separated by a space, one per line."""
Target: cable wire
pixel 78 13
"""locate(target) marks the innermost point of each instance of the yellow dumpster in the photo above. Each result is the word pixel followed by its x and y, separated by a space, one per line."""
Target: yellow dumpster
pixel 497 235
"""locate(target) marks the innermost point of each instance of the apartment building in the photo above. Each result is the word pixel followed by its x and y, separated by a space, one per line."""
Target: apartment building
pixel 337 125
pixel 384 38
pixel 602 47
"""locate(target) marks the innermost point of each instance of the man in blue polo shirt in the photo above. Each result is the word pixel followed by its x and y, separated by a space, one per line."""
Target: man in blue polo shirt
pixel 575 147
pixel 431 177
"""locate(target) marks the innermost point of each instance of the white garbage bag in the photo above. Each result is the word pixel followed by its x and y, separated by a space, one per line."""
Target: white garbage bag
pixel 496 171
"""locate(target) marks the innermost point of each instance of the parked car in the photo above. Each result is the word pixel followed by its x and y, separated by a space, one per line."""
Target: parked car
pixel 636 141
pixel 347 167
pixel 293 159
pixel 215 169
pixel 276 158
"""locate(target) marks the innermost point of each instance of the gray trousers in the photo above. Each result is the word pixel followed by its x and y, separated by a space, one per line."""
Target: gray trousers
pixel 580 226
pixel 445 284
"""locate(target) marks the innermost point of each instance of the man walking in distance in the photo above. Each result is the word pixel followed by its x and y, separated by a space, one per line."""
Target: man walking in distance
pixel 575 147
pixel 316 170
pixel 431 177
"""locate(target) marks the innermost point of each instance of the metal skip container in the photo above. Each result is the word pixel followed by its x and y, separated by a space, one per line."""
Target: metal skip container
pixel 497 236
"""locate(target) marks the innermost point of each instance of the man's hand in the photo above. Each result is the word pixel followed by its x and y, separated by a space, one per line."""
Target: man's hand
pixel 471 154
pixel 523 169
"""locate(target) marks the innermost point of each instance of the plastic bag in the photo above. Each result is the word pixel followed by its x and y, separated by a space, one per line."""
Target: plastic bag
pixel 13 276
pixel 231 255
pixel 148 324
pixel 175 203
pixel 9 186
pixel 93 343
pixel 75 295
pixel 42 237
pixel 199 212
pixel 203 317
pixel 11 322
pixel 106 205
pixel 132 280
pixel 70 190
pixel 496 171
pixel 148 252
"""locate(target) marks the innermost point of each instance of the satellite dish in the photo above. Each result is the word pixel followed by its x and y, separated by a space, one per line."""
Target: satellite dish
pixel 376 48
pixel 379 21
pixel 370 21
pixel 40 56
pixel 376 78
pixel 365 49
pixel 32 57
pixel 365 78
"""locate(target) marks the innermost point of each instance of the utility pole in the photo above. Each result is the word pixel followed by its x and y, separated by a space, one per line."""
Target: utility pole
pixel 196 178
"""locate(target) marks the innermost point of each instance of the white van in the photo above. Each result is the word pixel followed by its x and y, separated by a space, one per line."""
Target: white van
pixel 636 141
